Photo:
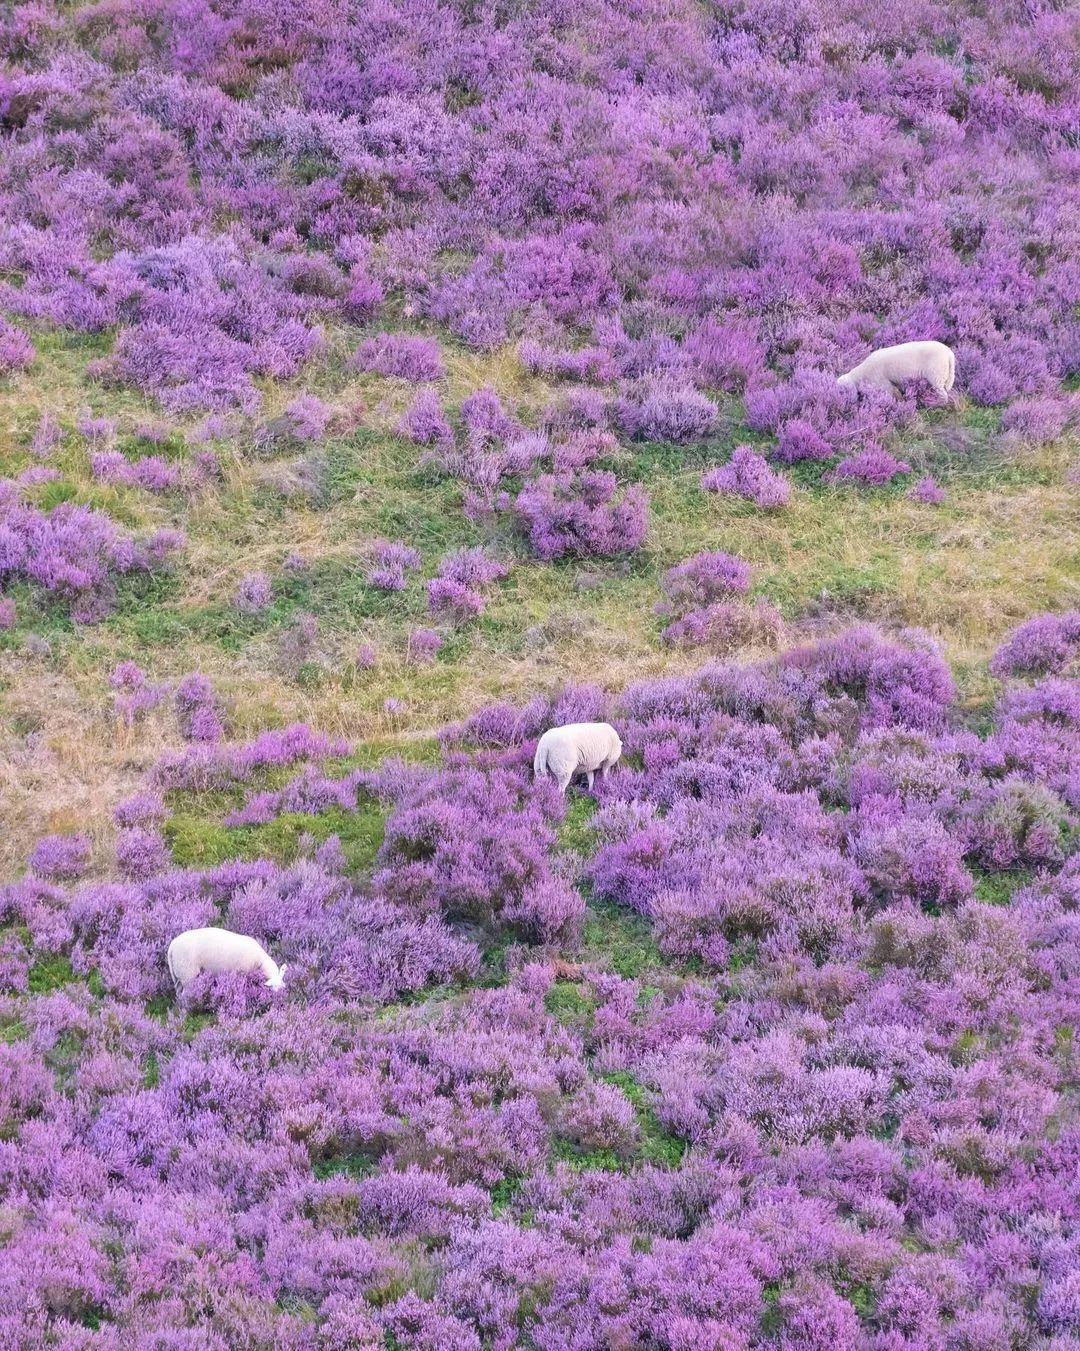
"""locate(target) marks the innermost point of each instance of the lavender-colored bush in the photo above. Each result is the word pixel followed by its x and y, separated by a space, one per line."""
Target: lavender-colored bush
pixel 460 588
pixel 392 561
pixel 747 475
pixel 582 514
pixel 253 593
pixel 402 355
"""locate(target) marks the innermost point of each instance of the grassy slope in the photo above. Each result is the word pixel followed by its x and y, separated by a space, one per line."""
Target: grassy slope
pixel 1005 545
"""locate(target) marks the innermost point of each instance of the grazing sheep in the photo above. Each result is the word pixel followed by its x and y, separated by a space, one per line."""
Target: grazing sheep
pixel 216 950
pixel 586 746
pixel 892 366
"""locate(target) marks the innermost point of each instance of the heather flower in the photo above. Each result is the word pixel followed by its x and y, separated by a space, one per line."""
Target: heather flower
pixel 1047 644
pixel 725 626
pixel 927 490
pixel 398 354
pixel 253 594
pixel 582 514
pixel 366 656
pixel 307 417
pixel 463 579
pixel 392 560
pixel 16 349
pixel 424 645
pixel 872 466
pixel 747 475
pixel 46 435
pixel 704 578
pixel 799 440
pixel 61 857
pixel 134 695
pixel 140 853
pixel 424 422
pixel 197 709
pixel 662 410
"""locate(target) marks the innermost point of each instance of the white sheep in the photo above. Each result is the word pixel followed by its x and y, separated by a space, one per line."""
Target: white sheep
pixel 891 366
pixel 588 747
pixel 216 950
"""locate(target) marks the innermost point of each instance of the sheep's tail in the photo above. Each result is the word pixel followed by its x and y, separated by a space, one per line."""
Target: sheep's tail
pixel 172 972
pixel 950 379
pixel 540 759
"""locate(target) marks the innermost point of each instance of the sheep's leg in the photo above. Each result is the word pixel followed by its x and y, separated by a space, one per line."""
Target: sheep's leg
pixel 564 781
pixel 589 776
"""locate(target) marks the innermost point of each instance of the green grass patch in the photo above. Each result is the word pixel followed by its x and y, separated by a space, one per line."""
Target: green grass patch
pixel 619 940
pixel 658 1145
pixel 576 832
pixel 571 1005
pixel 998 888
pixel 199 843
pixel 585 1160
pixel 50 972
pixel 345 1165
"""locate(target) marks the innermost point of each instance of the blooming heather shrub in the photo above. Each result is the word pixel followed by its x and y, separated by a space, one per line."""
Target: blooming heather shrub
pixel 927 490
pixel 308 417
pixel 151 472
pixel 392 560
pixel 705 577
pixel 7 613
pixel 16 349
pixel 724 626
pixel 424 645
pixel 424 421
pixel 464 577
pixel 1047 644
pixel 197 709
pixel 47 435
pixel 60 857
pixel 799 440
pixel 74 553
pixel 399 354
pixel 872 466
pixel 747 475
pixel 662 410
pixel 133 694
pixel 253 594
pixel 582 514
pixel 1037 421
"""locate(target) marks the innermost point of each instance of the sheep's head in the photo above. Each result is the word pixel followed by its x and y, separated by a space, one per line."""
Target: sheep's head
pixel 277 980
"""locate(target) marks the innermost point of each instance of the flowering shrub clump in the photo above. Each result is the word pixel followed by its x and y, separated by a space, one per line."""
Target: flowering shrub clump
pixel 198 709
pixel 152 472
pixel 464 577
pixel 663 411
pixel 392 561
pixel 1045 645
pixel 704 578
pixel 928 490
pixel 399 354
pixel 582 514
pixel 133 694
pixel 425 423
pixel 747 475
pixel 253 594
pixel 16 349
pixel 74 553
pixel 424 645
pixel 872 466
pixel 839 1083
